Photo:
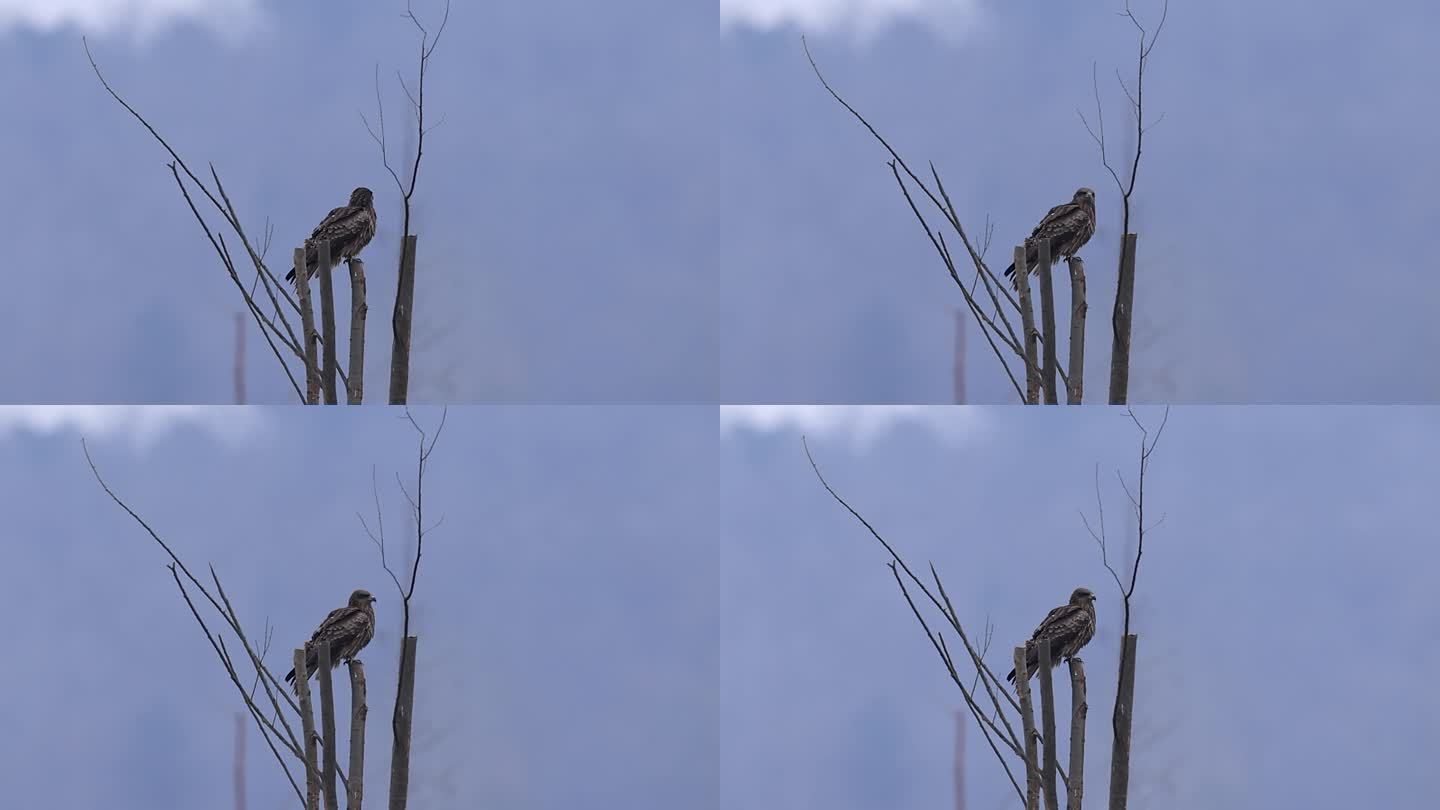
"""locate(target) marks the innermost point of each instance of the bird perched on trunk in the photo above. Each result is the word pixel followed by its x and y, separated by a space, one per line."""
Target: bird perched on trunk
pixel 348 229
pixel 1068 227
pixel 1066 629
pixel 346 631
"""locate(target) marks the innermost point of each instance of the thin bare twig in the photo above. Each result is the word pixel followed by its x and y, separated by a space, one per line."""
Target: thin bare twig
pixel 1125 282
pixel 283 734
pixel 268 731
pixel 268 326
pixel 404 690
pixel 1137 504
pixel 1125 688
pixel 983 272
pixel 939 643
pixel 403 314
pixel 984 675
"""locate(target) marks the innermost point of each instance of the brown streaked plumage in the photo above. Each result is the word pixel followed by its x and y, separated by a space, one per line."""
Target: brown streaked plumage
pixel 1068 227
pixel 348 228
pixel 1066 629
pixel 346 630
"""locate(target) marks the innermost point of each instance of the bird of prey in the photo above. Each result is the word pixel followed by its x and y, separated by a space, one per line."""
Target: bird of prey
pixel 1068 227
pixel 1066 629
pixel 348 229
pixel 346 631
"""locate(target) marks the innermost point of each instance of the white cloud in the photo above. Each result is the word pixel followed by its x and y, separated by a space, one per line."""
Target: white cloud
pixel 141 425
pixel 861 424
pixel 142 18
pixel 862 18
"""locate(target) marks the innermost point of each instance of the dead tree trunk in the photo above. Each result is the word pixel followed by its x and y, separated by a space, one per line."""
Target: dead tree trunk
pixel 330 363
pixel 1047 720
pixel 1079 709
pixel 400 726
pixel 307 725
pixel 355 789
pixel 1027 719
pixel 1047 321
pixel 307 328
pixel 1027 323
pixel 400 325
pixel 1120 324
pixel 327 725
pixel 355 389
pixel 1075 390
pixel 1124 712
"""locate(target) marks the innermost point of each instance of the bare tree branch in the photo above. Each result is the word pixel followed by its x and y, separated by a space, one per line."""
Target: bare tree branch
pixel 1003 731
pixel 267 729
pixel 1123 712
pixel 1022 347
pixel 276 327
pixel 1137 503
pixel 1121 317
pixel 994 288
pixel 400 722
pixel 1044 779
pixel 403 313
pixel 277 737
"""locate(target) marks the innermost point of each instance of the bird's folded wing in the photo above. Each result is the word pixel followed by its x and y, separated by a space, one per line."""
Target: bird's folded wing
pixel 1054 621
pixel 1061 219
pixel 335 222
pixel 334 622
pixel 1051 216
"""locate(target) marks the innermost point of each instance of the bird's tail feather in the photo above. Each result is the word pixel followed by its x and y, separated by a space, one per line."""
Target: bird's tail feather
pixel 1031 666
pixel 309 272
pixel 1031 259
pixel 312 263
pixel 1014 279
pixel 311 663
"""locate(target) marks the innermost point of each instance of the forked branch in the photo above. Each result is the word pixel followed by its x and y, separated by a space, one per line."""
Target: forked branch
pixel 400 721
pixel 1121 318
pixel 403 314
pixel 1001 736
pixel 994 319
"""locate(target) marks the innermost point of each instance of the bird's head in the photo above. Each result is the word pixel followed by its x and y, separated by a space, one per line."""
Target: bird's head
pixel 1083 597
pixel 362 197
pixel 361 598
pixel 1083 195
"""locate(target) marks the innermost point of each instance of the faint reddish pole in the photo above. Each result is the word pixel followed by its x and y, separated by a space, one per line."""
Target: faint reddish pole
pixel 239 358
pixel 239 761
pixel 959 368
pixel 959 760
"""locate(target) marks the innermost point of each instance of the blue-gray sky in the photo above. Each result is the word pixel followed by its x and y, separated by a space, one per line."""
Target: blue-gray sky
pixel 1278 205
pixel 565 208
pixel 1282 604
pixel 566 606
